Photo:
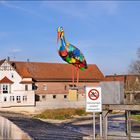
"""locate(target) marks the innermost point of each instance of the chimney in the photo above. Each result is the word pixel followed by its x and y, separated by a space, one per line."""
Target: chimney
pixel 28 60
pixel 8 58
pixel 115 75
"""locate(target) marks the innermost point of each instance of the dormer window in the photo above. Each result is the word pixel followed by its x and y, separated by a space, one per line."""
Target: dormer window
pixel 5 85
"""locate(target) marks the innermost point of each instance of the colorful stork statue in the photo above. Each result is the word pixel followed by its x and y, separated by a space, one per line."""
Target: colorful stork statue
pixel 71 54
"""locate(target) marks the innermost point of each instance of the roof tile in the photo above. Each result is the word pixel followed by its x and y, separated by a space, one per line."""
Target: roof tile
pixel 6 80
pixel 55 71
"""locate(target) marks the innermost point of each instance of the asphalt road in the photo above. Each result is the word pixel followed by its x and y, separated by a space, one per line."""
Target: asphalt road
pixel 39 130
pixel 74 129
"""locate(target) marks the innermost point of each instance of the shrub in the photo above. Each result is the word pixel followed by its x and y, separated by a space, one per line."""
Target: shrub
pixel 60 114
pixel 80 112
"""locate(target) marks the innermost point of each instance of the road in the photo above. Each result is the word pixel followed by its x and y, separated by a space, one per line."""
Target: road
pixel 40 130
pixel 74 129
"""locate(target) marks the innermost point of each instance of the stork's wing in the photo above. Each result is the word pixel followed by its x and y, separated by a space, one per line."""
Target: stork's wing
pixel 77 57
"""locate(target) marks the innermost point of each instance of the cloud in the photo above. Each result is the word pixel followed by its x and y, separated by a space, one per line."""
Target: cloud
pixel 14 6
pixel 68 8
pixel 103 7
pixel 15 50
pixel 89 12
pixel 82 9
pixel 6 4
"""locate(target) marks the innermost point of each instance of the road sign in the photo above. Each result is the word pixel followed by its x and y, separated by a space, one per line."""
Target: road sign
pixel 93 99
pixel 93 94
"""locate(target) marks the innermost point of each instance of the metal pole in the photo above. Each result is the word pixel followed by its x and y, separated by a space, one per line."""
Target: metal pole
pixel 128 124
pixel 105 124
pixel 101 130
pixel 93 125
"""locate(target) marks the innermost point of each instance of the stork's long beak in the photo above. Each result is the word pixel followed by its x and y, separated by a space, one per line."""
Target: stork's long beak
pixel 58 36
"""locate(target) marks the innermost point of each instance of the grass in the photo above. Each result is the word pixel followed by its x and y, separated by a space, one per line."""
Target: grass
pixel 136 117
pixel 61 114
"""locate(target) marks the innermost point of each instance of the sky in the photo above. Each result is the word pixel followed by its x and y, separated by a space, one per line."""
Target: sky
pixel 106 32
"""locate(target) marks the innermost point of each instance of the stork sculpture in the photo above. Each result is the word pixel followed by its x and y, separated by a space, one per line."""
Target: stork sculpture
pixel 71 54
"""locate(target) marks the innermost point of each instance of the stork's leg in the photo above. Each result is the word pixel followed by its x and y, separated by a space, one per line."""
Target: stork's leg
pixel 77 71
pixel 72 75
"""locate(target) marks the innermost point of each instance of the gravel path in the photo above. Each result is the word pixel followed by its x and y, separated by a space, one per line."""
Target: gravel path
pixel 40 130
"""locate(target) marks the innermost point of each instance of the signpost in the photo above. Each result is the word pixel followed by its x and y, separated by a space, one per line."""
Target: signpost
pixel 94 104
pixel 93 99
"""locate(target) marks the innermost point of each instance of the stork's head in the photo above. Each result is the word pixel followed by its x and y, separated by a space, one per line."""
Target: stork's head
pixel 60 33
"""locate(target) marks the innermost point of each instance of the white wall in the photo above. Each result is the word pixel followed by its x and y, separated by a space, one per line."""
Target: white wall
pixel 16 87
pixel 9 102
pixel 16 77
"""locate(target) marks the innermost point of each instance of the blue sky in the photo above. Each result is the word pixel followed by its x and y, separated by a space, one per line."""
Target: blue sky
pixel 107 32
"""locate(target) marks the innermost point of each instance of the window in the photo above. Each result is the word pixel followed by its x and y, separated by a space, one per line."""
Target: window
pixel 5 88
pixel 65 88
pixel 43 96
pixel 45 87
pixel 12 75
pixel 5 66
pixel 5 99
pixel 72 85
pixel 34 87
pixel 18 98
pixel 24 98
pixel 54 96
pixel 26 87
pixel 12 98
pixel 65 96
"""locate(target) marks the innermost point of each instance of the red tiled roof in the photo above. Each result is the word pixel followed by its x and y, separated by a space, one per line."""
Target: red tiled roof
pixel 114 78
pixel 55 71
pixel 121 77
pixel 6 80
pixel 26 82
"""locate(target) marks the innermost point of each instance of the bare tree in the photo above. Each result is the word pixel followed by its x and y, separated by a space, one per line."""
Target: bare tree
pixel 138 53
pixel 134 68
pixel 135 65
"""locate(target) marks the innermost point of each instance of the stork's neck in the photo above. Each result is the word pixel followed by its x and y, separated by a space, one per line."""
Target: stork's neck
pixel 63 41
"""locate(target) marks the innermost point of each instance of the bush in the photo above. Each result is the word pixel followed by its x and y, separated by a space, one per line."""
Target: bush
pixel 136 117
pixel 80 112
pixel 60 114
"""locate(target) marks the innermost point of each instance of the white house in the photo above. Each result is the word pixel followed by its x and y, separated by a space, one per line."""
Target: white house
pixel 14 89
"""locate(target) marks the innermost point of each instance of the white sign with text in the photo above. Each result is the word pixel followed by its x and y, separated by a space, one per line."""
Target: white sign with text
pixel 93 99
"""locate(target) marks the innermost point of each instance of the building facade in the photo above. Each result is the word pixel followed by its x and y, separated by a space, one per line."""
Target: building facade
pixel 131 81
pixel 39 83
pixel 14 89
pixel 131 86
